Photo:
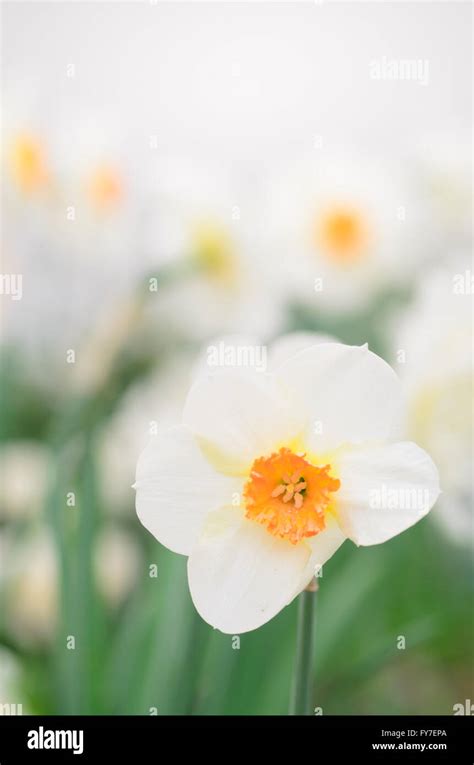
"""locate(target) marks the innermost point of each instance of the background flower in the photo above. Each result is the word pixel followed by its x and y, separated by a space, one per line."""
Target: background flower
pixel 343 229
pixel 25 473
pixel 206 217
pixel 437 375
pixel 31 579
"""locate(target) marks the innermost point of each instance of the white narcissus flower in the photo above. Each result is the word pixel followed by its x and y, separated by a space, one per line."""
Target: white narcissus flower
pixel 443 166
pixel 199 219
pixel 341 230
pixel 77 202
pixel 269 473
pixel 433 347
pixel 25 151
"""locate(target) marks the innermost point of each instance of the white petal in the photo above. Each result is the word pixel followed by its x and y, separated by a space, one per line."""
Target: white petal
pixel 176 488
pixel 239 416
pixel 323 546
pixel 287 346
pixel 350 395
pixel 240 576
pixel 384 490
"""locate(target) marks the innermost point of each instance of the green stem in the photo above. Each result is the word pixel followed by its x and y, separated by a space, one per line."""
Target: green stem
pixel 301 692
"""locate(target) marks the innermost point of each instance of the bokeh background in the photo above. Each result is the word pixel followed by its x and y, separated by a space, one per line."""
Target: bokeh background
pixel 173 172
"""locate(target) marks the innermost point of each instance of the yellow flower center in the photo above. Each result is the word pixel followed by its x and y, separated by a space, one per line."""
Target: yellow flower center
pixel 105 188
pixel 212 247
pixel 27 163
pixel 342 234
pixel 288 495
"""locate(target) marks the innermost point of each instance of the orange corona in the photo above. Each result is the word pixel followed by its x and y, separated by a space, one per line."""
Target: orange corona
pixel 28 164
pixel 342 234
pixel 105 188
pixel 288 495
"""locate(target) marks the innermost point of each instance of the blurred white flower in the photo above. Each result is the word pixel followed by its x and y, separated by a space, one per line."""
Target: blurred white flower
pixel 27 161
pixel 270 473
pixel 433 346
pixel 206 218
pixel 101 187
pixel 80 252
pixel 11 698
pixel 24 471
pixel 337 231
pixel 443 168
pixel 117 564
pixel 31 588
pixel 150 404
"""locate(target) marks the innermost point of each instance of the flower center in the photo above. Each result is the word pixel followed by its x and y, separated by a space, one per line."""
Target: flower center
pixel 342 234
pixel 288 495
pixel 213 249
pixel 105 188
pixel 27 162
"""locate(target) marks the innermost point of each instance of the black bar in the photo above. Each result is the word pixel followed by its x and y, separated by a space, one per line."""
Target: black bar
pixel 138 739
